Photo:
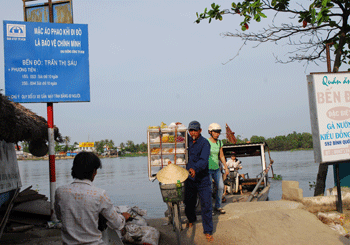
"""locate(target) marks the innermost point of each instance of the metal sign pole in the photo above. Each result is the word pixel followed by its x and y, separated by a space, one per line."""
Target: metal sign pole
pixel 52 165
pixel 339 201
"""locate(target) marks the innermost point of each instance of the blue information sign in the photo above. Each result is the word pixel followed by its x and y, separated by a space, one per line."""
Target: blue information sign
pixel 46 62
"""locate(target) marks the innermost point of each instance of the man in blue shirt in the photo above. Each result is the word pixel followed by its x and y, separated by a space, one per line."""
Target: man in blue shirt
pixel 199 181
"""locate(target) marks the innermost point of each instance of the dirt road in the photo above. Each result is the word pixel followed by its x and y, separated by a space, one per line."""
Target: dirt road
pixel 273 222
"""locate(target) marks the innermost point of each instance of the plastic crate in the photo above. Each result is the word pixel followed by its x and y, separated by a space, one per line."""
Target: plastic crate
pixel 172 192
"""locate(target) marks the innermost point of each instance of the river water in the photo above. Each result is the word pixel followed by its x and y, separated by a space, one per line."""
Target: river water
pixel 126 180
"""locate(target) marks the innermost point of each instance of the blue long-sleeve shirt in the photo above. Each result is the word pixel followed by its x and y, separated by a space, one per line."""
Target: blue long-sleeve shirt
pixel 198 156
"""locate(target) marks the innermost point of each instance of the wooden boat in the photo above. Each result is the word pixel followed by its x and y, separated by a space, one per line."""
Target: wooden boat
pixel 258 187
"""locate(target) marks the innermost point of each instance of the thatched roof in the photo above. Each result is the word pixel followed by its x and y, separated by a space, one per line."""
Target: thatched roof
pixel 18 123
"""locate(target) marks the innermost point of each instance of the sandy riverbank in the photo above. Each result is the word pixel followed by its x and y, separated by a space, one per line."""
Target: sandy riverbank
pixel 273 222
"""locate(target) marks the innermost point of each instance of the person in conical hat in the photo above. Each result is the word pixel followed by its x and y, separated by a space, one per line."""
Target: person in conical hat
pixel 171 174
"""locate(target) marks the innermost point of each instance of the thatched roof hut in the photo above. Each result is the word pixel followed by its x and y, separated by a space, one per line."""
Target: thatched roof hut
pixel 18 123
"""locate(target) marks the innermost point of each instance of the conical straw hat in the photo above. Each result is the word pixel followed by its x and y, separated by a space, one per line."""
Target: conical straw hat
pixel 171 174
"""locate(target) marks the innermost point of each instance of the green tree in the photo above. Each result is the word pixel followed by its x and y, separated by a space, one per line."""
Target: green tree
pixel 25 146
pixel 99 146
pixel 317 24
pixel 293 141
pixel 312 26
pixel 290 142
pixel 73 147
pixel 241 140
pixel 66 141
pixel 58 147
pixel 225 142
pixel 111 144
pixel 280 143
pixel 130 146
pixel 108 144
pixel 306 141
pixel 122 148
pixel 257 139
pixel 270 143
pixel 143 147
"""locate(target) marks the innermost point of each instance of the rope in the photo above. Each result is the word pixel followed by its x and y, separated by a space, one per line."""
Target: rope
pixel 271 160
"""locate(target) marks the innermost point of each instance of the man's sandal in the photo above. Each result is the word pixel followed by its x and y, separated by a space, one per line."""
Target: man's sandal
pixel 220 210
pixel 209 237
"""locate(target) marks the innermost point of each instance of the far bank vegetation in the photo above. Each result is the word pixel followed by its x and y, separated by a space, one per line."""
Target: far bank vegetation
pixel 293 141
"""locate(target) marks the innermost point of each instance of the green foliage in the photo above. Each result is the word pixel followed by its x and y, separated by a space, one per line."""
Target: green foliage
pixel 290 142
pixel 58 147
pixel 278 143
pixel 248 9
pixel 277 177
pixel 66 141
pixel 312 185
pixel 73 147
pixel 257 139
pixel 100 145
pixel 318 12
pixel 134 154
pixel 131 147
pixel 25 146
pixel 241 140
pixel 142 147
pixel 323 22
pixel 65 147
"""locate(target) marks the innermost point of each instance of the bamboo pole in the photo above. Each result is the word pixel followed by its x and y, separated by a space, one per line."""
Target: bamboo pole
pixel 259 182
pixel 175 136
pixel 8 211
pixel 160 146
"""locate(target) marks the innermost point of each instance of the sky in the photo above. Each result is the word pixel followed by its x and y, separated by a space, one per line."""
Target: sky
pixel 150 63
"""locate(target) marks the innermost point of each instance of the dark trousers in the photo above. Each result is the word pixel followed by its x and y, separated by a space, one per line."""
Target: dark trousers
pixel 203 189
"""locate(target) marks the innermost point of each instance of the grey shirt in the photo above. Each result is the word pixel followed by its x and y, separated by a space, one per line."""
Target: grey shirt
pixel 78 205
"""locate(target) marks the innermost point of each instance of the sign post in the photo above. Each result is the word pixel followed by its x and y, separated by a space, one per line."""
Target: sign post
pixel 52 161
pixel 47 62
pixel 339 202
pixel 329 100
pixel 51 139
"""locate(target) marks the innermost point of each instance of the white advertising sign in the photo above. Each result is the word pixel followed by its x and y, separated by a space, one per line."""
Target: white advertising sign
pixel 329 100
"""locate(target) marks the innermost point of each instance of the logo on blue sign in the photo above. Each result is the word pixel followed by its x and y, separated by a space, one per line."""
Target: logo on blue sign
pixel 16 30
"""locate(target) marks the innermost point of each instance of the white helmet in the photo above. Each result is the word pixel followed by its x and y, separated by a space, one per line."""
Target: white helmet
pixel 214 126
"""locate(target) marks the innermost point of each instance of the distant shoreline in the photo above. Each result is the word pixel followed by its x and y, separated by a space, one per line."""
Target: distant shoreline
pixel 72 157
